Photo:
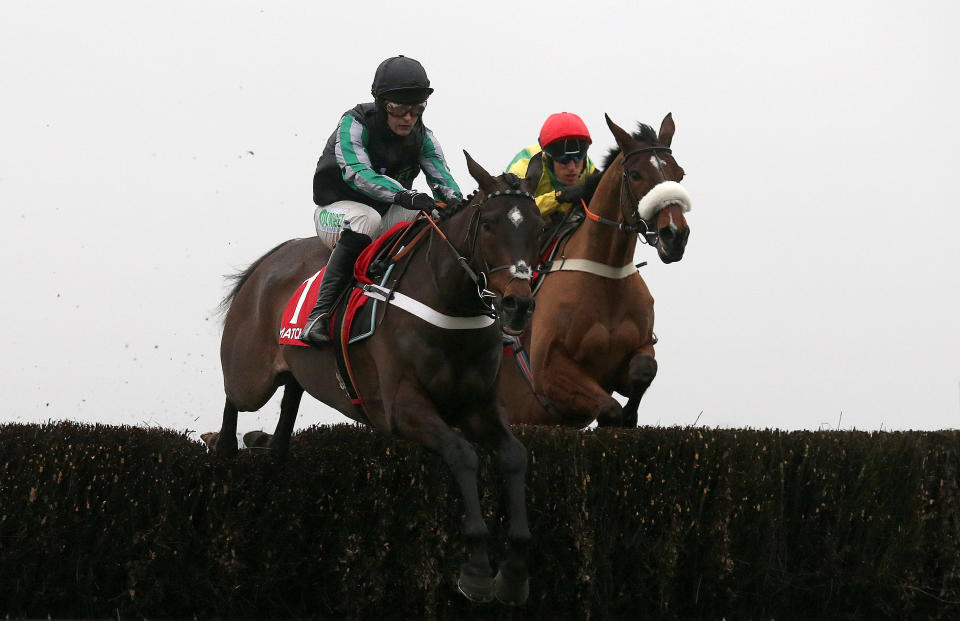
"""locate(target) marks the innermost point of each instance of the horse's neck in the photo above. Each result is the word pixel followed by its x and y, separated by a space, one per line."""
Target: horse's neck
pixel 602 242
pixel 443 282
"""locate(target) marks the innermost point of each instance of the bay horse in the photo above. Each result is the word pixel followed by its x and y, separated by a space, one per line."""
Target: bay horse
pixel 417 380
pixel 592 332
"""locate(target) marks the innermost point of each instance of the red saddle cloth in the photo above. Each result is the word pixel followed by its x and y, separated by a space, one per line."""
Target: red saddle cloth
pixel 297 310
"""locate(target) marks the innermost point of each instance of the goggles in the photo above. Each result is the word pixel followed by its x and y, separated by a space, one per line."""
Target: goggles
pixel 399 109
pixel 566 158
pixel 566 151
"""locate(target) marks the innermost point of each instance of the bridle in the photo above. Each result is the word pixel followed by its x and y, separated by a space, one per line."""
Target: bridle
pixel 642 228
pixel 480 277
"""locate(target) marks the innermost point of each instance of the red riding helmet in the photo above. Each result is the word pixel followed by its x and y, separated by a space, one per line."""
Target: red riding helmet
pixel 563 125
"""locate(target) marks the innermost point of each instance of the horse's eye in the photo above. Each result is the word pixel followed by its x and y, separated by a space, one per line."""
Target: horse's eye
pixel 486 226
pixel 636 176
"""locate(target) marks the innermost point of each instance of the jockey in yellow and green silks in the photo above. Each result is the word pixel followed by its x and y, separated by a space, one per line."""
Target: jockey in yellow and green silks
pixel 562 146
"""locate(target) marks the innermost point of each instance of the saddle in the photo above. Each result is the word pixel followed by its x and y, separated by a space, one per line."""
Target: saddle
pixel 559 230
pixel 382 263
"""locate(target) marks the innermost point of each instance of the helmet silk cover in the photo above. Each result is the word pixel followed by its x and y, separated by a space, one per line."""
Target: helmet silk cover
pixel 402 80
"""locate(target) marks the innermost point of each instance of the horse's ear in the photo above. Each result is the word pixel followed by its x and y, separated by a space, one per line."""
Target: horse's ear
pixel 623 138
pixel 534 171
pixel 487 183
pixel 667 127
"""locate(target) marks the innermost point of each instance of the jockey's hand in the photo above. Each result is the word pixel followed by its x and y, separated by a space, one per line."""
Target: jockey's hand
pixel 418 201
pixel 570 194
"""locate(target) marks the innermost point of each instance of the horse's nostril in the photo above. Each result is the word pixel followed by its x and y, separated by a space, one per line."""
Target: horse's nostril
pixel 666 233
pixel 509 304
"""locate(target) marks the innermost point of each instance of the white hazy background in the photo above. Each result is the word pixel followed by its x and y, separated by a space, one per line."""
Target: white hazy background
pixel 149 148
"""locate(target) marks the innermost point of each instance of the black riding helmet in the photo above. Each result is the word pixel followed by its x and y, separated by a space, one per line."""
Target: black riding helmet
pixel 402 80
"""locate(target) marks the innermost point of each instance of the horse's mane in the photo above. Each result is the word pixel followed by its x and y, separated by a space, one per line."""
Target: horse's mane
pixel 455 207
pixel 511 180
pixel 644 133
pixel 241 277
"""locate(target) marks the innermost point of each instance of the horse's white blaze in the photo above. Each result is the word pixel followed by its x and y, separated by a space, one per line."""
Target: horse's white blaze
pixel 515 216
pixel 521 270
pixel 670 221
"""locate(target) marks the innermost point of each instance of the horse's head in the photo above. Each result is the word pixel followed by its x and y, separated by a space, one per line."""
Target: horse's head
pixel 506 228
pixel 651 197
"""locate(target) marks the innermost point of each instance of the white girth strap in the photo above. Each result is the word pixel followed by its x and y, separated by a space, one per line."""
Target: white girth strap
pixel 424 312
pixel 593 267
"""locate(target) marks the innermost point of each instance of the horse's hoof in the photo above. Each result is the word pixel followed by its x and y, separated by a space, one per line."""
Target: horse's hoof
pixel 610 416
pixel 476 588
pixel 256 439
pixel 210 440
pixel 511 591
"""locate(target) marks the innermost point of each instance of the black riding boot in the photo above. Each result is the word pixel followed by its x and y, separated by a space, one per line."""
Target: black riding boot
pixel 336 277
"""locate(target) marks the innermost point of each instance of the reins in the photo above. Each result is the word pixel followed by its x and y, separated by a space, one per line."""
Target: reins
pixel 641 229
pixel 479 277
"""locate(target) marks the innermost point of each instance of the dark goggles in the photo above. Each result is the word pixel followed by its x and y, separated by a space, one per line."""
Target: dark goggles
pixel 566 158
pixel 568 150
pixel 399 109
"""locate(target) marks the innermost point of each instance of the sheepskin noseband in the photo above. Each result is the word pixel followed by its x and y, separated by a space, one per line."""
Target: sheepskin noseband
pixel 661 195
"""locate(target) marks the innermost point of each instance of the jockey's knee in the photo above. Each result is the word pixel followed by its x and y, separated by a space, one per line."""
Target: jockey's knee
pixel 331 219
pixel 366 224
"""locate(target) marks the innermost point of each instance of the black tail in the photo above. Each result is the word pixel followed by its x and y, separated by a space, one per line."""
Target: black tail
pixel 241 277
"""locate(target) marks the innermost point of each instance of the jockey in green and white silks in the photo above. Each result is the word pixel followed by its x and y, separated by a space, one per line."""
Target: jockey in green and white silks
pixel 366 164
pixel 362 185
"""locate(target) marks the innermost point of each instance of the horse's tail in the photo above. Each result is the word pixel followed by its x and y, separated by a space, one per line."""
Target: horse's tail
pixel 241 277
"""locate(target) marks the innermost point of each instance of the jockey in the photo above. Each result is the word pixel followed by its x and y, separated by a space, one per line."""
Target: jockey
pixel 362 185
pixel 562 146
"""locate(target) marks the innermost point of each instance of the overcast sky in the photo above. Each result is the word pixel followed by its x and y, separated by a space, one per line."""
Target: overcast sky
pixel 149 148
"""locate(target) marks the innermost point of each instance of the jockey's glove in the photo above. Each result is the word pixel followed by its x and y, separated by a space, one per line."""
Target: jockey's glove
pixel 574 193
pixel 418 201
pixel 571 194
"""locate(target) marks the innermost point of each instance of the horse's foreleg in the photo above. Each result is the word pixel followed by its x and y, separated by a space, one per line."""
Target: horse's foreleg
pixel 639 375
pixel 512 581
pixel 289 406
pixel 577 397
pixel 630 412
pixel 415 417
pixel 512 457
pixel 227 439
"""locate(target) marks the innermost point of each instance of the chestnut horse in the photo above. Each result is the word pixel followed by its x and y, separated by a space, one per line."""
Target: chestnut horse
pixel 592 333
pixel 417 379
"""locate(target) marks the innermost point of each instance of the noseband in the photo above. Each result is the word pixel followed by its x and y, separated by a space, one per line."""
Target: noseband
pixel 642 229
pixel 481 277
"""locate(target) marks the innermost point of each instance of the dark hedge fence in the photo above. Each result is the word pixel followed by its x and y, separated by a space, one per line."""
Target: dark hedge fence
pixel 679 523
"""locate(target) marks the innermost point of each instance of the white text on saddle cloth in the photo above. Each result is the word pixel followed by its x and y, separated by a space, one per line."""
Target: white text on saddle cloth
pixel 298 309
